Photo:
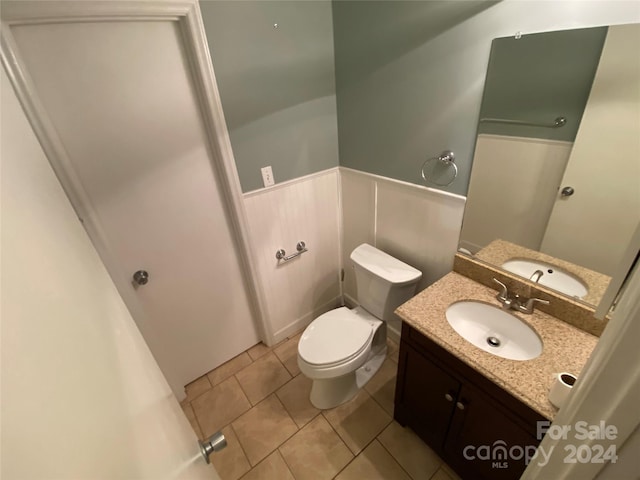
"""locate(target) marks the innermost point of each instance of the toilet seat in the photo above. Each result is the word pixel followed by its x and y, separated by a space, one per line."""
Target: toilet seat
pixel 334 338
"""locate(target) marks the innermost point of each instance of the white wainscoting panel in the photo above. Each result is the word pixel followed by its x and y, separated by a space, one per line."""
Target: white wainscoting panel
pixel 415 224
pixel 514 179
pixel 304 209
pixel 420 226
pixel 358 218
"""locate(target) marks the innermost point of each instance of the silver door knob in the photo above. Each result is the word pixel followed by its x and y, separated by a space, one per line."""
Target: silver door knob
pixel 567 191
pixel 141 277
pixel 214 443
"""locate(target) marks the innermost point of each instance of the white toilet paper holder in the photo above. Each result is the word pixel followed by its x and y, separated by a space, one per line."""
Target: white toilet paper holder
pixel 561 387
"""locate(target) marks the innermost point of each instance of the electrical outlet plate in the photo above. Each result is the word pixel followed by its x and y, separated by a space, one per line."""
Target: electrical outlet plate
pixel 267 176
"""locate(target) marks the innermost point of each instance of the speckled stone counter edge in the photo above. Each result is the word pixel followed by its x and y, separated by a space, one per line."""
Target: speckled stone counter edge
pixel 565 348
pixel 560 306
pixel 499 251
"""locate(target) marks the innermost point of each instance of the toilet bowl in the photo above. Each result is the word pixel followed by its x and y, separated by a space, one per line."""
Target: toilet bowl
pixel 342 349
pixel 340 352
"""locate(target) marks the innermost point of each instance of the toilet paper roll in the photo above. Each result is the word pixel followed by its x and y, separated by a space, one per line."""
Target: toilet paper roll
pixel 562 385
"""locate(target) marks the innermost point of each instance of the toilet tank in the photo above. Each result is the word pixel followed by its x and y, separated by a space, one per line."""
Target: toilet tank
pixel 383 282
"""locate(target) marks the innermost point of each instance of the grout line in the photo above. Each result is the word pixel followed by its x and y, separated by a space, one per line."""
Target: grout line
pixel 287 410
pixel 449 471
pixel 269 349
pixel 355 455
pixel 224 379
pixel 199 395
pixel 343 442
pixel 288 414
pixel 348 463
pixel 441 464
pixel 220 366
pixel 281 443
pixel 374 398
pixel 245 396
pixel 381 406
pixel 436 473
pixel 370 442
pixel 241 447
pixel 281 364
pixel 334 430
pixel 284 406
pixel 285 460
pixel 394 458
pixel 286 439
pixel 202 393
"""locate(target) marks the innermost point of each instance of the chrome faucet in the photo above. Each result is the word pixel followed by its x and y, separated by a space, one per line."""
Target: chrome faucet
pixel 535 276
pixel 516 302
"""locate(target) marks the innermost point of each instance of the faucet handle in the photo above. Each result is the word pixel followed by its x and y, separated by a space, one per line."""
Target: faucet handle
pixel 504 293
pixel 528 306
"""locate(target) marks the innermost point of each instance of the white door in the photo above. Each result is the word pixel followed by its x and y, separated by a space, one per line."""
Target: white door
pixel 82 397
pixel 593 226
pixel 121 99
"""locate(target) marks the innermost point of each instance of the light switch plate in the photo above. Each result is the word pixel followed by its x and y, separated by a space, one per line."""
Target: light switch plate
pixel 267 176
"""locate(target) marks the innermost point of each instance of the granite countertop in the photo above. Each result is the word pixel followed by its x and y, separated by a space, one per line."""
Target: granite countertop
pixel 499 251
pixel 565 347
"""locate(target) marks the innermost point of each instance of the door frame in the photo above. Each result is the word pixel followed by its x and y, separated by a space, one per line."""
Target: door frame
pixel 186 14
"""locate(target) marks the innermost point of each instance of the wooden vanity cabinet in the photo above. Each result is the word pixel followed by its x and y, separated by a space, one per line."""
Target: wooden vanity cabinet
pixel 451 406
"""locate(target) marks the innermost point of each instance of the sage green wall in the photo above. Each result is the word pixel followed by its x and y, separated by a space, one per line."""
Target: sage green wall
pixel 277 85
pixel 410 75
pixel 399 87
pixel 540 77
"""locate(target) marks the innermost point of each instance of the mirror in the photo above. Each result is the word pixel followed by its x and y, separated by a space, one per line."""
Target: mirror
pixel 554 194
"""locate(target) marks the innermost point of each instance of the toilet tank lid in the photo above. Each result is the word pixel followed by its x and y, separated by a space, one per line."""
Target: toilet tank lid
pixel 384 265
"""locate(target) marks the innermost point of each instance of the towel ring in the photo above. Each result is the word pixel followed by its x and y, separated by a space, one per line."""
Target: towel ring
pixel 441 170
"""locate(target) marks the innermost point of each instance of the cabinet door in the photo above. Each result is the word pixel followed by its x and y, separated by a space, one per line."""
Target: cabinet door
pixel 486 440
pixel 427 398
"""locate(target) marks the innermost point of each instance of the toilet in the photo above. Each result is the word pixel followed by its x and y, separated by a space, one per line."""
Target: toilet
pixel 342 349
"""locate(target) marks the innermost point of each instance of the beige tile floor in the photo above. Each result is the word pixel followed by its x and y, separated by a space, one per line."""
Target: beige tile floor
pixel 260 401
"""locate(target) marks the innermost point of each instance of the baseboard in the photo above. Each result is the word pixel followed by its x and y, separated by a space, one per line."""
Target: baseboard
pixel 297 325
pixel 349 301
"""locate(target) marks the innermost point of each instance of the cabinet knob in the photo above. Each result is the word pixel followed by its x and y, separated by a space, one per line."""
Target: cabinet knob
pixel 448 397
pixel 460 405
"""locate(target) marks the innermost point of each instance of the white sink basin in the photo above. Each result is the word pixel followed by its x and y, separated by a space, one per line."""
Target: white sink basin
pixel 494 330
pixel 552 276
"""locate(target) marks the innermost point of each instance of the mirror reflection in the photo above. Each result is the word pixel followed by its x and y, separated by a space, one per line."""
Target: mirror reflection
pixel 554 194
